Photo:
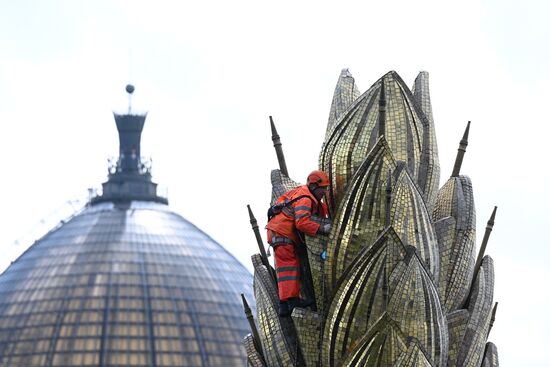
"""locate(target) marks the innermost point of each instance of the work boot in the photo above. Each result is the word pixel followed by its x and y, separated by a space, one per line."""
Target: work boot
pixel 299 302
pixel 284 309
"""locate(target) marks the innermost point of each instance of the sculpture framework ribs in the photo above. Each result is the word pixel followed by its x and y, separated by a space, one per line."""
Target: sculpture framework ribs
pixel 400 285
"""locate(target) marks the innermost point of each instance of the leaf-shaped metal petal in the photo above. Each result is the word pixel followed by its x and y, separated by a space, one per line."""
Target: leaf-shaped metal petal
pixel 413 356
pixel 411 220
pixel 421 93
pixel 275 333
pixel 345 93
pixel 361 296
pixel 254 358
pixel 480 307
pixel 308 327
pixel 315 246
pixel 457 322
pixel 429 173
pixel 361 215
pixel 280 184
pixel 455 224
pixel 414 304
pixel 380 346
pixel 408 296
pixel 407 131
pixel 491 356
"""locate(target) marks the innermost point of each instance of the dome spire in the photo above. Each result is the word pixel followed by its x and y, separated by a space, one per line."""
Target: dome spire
pixel 130 176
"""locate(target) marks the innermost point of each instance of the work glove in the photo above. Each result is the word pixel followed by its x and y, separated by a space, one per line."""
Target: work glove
pixel 324 228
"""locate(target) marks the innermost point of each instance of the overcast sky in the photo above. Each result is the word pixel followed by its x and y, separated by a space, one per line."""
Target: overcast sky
pixel 209 73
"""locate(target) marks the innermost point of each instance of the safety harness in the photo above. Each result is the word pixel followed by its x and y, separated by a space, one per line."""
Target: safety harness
pixel 278 208
pixel 275 210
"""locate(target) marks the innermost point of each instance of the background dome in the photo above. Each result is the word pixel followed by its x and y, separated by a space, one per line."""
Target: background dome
pixel 124 286
pixel 125 282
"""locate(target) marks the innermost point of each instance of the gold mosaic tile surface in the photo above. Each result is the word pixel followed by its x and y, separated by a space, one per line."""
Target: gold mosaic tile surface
pixel 480 307
pixel 454 220
pixel 344 94
pixel 421 93
pixel 415 305
pixel 280 184
pixel 428 179
pixel 457 322
pixel 396 285
pixel 277 350
pixel 254 358
pixel 413 356
pixel 491 356
pixel 407 131
pixel 380 346
pixel 411 220
pixel 361 297
pixel 316 246
pixel 361 215
pixel 308 327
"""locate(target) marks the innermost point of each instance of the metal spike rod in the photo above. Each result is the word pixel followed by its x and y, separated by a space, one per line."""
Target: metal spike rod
pixel 484 242
pixel 481 253
pixel 382 111
pixel 493 316
pixel 461 152
pixel 278 148
pixel 250 318
pixel 255 229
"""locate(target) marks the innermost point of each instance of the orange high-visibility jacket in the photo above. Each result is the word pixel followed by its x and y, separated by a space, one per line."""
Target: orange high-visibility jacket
pixel 297 216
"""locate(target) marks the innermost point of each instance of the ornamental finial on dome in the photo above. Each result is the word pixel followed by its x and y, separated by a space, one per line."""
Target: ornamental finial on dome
pixel 130 90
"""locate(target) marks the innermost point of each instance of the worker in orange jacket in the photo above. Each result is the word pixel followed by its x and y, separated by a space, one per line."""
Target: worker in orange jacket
pixel 284 234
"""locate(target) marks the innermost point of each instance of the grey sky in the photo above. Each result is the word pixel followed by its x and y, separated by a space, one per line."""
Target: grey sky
pixel 211 72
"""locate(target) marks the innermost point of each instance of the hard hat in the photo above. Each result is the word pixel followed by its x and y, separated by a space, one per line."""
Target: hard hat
pixel 319 178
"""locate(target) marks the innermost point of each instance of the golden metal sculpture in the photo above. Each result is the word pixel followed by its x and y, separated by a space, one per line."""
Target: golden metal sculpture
pixel 400 285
